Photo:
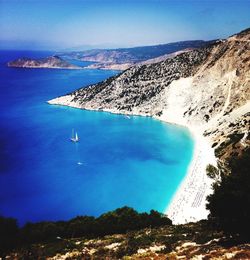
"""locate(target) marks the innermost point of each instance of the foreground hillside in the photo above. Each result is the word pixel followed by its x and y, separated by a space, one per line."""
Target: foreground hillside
pixel 120 234
pixel 189 241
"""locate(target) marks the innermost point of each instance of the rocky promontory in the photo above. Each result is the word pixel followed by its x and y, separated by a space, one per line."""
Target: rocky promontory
pixel 53 62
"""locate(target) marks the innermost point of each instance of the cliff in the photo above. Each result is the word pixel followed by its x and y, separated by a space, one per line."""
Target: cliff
pixel 207 90
pixel 53 62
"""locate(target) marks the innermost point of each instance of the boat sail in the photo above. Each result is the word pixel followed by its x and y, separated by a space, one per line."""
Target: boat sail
pixel 74 137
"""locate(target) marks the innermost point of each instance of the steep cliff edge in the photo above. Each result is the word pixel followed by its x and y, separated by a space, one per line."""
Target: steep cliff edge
pixel 207 90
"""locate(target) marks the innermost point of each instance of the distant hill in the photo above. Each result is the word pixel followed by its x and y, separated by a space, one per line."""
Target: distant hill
pixel 115 58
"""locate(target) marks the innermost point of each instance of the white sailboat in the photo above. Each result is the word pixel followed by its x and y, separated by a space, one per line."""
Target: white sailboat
pixel 74 137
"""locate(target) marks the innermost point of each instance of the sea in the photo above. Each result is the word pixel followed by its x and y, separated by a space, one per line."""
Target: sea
pixel 119 161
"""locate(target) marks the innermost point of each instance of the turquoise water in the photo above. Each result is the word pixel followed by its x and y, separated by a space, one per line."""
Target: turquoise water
pixel 138 162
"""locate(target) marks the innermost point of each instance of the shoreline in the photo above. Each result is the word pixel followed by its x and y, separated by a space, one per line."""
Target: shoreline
pixel 188 203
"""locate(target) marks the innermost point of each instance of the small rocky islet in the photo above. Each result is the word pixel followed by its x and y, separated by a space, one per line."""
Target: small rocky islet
pixel 52 62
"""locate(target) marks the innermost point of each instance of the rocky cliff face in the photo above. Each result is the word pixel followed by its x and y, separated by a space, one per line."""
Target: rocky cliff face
pixel 207 89
pixel 54 62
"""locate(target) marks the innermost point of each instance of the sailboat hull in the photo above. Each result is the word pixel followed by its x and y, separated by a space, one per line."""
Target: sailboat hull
pixel 74 140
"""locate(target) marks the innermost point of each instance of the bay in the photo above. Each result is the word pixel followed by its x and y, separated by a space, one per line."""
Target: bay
pixel 138 162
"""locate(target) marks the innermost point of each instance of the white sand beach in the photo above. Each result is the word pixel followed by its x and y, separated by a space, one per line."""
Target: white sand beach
pixel 189 202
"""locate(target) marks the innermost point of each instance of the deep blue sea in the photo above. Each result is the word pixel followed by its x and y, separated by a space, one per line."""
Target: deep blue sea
pixel 138 162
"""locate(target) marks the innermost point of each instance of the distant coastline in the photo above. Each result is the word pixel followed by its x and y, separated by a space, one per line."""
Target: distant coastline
pixel 110 59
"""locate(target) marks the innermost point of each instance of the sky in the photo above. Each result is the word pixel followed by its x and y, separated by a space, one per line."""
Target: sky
pixel 63 24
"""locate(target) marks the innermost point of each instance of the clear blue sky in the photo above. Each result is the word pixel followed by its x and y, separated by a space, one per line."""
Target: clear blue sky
pixel 58 24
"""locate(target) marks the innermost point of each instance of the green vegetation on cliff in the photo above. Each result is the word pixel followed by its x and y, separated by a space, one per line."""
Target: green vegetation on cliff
pixel 120 220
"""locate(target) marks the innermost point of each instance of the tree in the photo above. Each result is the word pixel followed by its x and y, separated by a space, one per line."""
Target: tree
pixel 229 205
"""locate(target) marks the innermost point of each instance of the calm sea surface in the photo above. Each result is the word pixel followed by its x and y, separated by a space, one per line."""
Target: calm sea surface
pixel 138 162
